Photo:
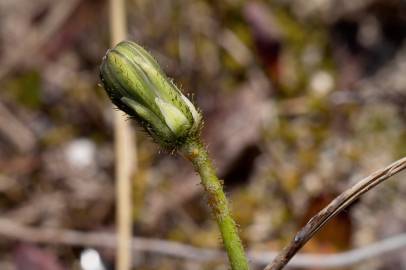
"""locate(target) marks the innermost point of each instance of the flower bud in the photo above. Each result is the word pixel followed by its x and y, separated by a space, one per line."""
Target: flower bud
pixel 137 85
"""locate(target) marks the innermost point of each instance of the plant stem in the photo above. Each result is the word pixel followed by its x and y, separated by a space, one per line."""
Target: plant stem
pixel 194 150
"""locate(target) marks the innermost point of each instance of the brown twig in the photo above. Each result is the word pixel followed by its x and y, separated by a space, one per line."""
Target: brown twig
pixel 336 206
pixel 15 131
pixel 14 230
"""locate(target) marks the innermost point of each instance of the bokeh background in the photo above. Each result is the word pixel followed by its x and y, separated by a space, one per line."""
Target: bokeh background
pixel 301 99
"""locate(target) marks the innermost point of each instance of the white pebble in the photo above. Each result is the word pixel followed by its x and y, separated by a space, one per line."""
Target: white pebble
pixel 90 260
pixel 80 153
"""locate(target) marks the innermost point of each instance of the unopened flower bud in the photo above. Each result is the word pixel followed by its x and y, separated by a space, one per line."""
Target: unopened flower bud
pixel 137 85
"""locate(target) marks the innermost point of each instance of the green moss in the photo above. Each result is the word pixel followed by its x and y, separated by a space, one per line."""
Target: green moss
pixel 27 89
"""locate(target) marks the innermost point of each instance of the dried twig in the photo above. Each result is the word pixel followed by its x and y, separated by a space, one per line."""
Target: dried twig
pixel 124 150
pixel 15 131
pixel 337 205
pixel 341 259
pixel 13 230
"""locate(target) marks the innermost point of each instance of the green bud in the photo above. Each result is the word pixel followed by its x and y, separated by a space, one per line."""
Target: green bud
pixel 137 85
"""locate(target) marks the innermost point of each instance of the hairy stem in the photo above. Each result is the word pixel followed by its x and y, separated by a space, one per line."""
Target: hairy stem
pixel 194 150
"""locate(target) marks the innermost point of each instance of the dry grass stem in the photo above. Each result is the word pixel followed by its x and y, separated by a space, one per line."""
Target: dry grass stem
pixel 125 152
pixel 331 210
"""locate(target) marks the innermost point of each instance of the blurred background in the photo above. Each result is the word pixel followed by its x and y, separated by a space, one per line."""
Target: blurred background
pixel 301 99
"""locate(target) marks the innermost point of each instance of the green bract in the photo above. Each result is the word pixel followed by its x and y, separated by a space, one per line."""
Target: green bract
pixel 137 85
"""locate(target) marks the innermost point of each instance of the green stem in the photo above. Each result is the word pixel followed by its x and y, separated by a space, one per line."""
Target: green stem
pixel 194 150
